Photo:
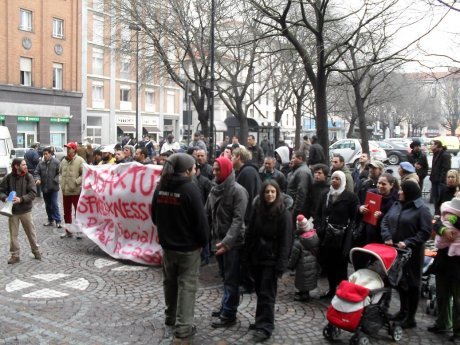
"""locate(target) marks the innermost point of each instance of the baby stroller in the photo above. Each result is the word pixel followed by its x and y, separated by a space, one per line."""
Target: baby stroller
pixel 428 288
pixel 360 304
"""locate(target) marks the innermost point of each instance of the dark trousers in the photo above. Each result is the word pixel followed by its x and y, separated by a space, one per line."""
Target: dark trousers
pixel 409 299
pixel 229 266
pixel 448 298
pixel 266 285
pixel 51 206
pixel 69 201
pixel 336 266
pixel 436 188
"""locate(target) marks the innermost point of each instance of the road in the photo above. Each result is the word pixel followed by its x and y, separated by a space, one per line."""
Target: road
pixel 79 295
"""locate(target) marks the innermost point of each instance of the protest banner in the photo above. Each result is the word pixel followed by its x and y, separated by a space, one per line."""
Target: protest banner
pixel 114 210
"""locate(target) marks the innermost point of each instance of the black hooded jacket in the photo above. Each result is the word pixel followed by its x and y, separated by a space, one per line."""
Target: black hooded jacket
pixel 179 215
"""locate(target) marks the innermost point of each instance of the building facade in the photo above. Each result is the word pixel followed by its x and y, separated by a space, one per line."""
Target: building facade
pixel 40 71
pixel 110 87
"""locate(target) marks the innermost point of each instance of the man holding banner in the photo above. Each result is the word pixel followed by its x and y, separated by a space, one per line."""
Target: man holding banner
pixel 178 213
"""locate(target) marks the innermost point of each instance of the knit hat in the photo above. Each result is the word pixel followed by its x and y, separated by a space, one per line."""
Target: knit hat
pixel 226 168
pixel 181 162
pixel 305 226
pixel 411 190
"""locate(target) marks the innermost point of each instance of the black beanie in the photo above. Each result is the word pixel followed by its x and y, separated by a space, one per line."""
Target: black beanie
pixel 181 162
pixel 411 190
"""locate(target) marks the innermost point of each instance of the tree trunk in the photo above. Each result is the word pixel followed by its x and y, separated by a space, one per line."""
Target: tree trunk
pixel 298 122
pixel 322 130
pixel 351 129
pixel 361 119
pixel 276 132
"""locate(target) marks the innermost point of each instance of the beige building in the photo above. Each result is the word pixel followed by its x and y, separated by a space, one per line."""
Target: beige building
pixel 40 70
pixel 109 84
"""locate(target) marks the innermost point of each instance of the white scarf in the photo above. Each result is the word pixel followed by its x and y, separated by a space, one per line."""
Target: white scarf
pixel 343 182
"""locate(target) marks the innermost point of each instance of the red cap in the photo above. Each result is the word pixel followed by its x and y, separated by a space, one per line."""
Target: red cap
pixel 226 167
pixel 72 145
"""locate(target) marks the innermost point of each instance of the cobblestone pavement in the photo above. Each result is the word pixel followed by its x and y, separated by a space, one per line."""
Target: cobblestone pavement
pixel 79 295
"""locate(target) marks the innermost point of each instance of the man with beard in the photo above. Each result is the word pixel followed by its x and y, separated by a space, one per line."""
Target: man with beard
pixel 269 172
pixel 375 170
pixel 107 156
pixel 361 172
pixel 170 144
pixel 141 156
pixel 338 163
pixel 20 181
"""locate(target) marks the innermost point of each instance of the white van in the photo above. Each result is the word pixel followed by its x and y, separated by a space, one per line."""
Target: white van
pixel 6 145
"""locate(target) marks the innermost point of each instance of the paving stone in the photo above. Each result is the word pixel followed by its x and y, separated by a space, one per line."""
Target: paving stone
pixel 79 295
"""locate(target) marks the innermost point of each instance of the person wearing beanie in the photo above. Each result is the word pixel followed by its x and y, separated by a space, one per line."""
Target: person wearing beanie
pixel 178 213
pixel 418 159
pixel 267 244
pixel 408 224
pixel 225 208
pixel 303 259
pixel 21 182
pixel 441 164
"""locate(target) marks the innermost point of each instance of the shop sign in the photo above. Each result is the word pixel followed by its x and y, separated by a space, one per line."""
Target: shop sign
pixel 59 120
pixel 28 119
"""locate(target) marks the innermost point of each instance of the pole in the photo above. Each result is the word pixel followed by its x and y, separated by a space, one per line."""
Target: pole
pixel 189 115
pixel 137 85
pixel 211 86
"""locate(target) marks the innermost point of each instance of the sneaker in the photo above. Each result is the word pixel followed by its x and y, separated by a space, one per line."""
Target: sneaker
pixel 66 234
pixel 38 256
pixel 58 225
pixel 437 330
pixel 49 223
pixel 261 335
pixel 13 260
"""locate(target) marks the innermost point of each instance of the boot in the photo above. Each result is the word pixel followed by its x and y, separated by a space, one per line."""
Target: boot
pixel 13 260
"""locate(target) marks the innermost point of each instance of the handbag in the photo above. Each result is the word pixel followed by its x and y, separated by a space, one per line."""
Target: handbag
pixel 334 235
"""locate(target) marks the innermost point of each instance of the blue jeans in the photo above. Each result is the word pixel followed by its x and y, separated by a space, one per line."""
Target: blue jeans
pixel 52 207
pixel 229 265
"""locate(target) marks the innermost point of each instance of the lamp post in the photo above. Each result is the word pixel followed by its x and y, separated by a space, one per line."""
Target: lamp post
pixel 211 86
pixel 137 28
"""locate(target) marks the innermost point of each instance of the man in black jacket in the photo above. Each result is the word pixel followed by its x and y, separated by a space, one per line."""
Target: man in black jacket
pixel 440 166
pixel 256 151
pixel 178 213
pixel 20 181
pixel 316 155
pixel 418 159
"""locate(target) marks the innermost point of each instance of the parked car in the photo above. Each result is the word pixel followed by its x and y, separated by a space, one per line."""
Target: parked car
pixel 58 151
pixel 18 152
pixel 350 150
pixel 396 151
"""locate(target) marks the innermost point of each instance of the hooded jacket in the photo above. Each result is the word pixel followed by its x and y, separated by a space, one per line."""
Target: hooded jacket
pixel 283 153
pixel 225 208
pixel 178 213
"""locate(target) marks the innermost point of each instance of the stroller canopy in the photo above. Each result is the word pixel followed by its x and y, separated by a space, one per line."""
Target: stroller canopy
pixel 384 254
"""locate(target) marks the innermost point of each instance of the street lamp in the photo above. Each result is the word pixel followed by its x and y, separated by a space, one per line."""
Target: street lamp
pixel 137 28
pixel 211 86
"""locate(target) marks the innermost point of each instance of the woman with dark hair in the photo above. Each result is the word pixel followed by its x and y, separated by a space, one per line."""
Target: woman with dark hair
pixel 267 244
pixel 388 188
pixel 408 224
pixel 178 213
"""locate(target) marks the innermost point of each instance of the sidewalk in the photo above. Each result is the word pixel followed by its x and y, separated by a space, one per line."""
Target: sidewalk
pixel 79 295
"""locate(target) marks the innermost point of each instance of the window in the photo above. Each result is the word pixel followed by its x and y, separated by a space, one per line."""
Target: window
pixel 149 100
pixel 98 30
pixel 98 5
pixel 98 61
pixel 25 66
pixel 25 20
pixel 124 95
pixel 125 68
pixel 98 94
pixel 57 76
pixel 58 28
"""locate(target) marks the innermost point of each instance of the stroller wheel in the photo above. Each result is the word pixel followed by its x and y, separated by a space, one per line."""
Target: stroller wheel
pixel 331 332
pixel 363 340
pixel 396 332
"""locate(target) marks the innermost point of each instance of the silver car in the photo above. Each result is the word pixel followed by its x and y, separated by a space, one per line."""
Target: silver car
pixel 350 150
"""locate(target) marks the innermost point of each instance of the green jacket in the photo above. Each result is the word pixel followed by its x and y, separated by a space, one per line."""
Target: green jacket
pixel 71 172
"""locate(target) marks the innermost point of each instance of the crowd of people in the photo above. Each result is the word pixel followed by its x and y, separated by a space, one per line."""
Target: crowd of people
pixel 261 211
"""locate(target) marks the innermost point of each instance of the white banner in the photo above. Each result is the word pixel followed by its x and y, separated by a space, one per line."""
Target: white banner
pixel 114 210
